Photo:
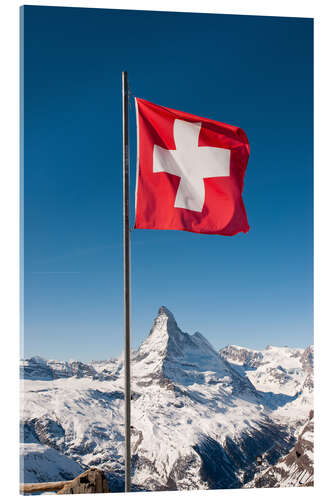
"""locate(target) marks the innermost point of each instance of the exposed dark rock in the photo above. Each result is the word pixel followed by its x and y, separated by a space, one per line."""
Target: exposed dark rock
pixel 50 432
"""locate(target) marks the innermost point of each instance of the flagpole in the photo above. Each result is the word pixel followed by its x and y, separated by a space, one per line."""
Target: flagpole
pixel 126 249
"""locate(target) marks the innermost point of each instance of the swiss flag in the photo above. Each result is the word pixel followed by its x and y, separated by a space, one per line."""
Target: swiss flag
pixel 190 172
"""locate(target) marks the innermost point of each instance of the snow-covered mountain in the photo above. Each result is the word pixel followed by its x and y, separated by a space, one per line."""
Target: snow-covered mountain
pixel 199 418
pixel 37 368
pixel 283 375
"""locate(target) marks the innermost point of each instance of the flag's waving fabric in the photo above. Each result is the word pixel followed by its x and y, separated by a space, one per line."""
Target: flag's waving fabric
pixel 190 172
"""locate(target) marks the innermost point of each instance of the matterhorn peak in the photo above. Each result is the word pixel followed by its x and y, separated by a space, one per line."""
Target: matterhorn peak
pixel 164 325
pixel 168 353
pixel 165 317
pixel 166 341
pixel 166 311
pixel 163 328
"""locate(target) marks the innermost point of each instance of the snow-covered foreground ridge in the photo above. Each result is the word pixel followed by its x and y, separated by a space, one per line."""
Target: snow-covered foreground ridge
pixel 200 418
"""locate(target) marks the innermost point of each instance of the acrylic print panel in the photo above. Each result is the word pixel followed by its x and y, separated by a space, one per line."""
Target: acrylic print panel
pixel 232 406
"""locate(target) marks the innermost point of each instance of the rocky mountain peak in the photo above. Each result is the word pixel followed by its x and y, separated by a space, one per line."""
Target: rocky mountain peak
pixel 164 323
pixel 165 335
pixel 168 353
pixel 164 311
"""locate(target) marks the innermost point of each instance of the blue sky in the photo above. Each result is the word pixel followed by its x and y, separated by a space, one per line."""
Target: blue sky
pixel 250 71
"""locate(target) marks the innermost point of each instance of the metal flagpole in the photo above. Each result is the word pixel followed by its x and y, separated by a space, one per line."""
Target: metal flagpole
pixel 126 242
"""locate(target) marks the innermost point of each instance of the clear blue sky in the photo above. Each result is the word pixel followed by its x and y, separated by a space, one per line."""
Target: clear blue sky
pixel 249 71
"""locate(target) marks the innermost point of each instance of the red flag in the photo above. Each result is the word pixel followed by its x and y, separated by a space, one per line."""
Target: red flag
pixel 190 172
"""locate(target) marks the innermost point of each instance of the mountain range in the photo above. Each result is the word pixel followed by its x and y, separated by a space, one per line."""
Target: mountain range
pixel 201 418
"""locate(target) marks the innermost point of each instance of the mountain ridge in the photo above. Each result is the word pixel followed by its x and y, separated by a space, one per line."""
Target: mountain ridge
pixel 190 405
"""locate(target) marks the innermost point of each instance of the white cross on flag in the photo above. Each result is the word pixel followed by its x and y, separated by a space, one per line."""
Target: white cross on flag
pixel 190 172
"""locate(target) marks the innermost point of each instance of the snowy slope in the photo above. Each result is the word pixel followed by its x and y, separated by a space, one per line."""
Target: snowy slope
pixel 198 419
pixel 41 463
